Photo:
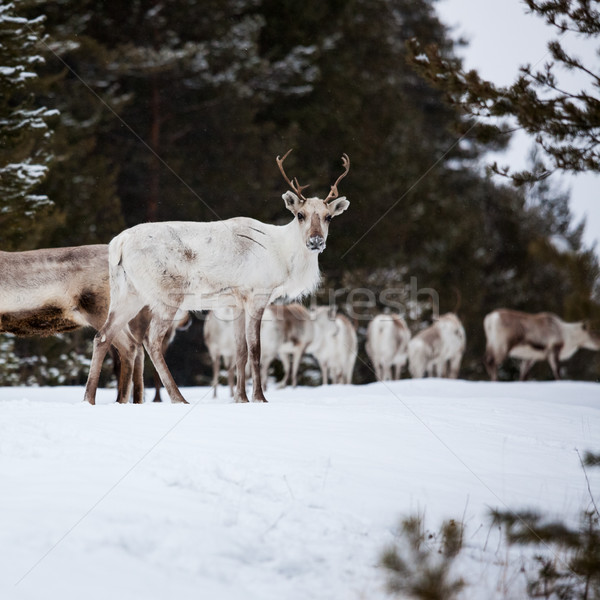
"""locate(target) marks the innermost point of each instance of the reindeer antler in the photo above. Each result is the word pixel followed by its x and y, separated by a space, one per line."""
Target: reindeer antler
pixel 334 191
pixel 295 185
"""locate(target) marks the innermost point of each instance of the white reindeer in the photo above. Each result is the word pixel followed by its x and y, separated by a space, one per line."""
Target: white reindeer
pixel 387 345
pixel 322 346
pixel 347 343
pixel 286 332
pixel 219 337
pixel 437 351
pixel 533 337
pixel 334 345
pixel 240 262
pixel 56 290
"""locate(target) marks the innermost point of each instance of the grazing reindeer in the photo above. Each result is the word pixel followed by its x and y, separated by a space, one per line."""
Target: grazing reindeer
pixel 387 345
pixel 437 351
pixel 334 345
pixel 56 290
pixel 219 337
pixel 531 338
pixel 239 262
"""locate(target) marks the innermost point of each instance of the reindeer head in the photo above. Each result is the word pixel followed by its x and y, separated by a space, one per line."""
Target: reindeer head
pixel 313 214
pixel 590 336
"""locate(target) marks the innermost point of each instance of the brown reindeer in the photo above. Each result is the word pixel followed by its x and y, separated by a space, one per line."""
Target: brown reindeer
pixel 57 290
pixel 531 338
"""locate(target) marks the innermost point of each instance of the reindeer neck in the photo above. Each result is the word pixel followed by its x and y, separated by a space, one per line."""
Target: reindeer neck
pixel 302 265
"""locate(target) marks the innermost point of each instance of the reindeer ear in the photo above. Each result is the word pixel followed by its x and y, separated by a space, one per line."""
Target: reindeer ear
pixel 292 201
pixel 337 207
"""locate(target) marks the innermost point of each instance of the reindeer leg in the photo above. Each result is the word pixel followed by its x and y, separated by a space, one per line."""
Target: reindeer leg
pixel 216 364
pixel 491 365
pixel 264 372
pixel 102 342
pixel 231 376
pixel 285 361
pixel 127 353
pixel 241 356
pixel 138 375
pixel 324 378
pixel 454 367
pixel 114 355
pixel 387 372
pixel 553 360
pixel 253 322
pixel 524 368
pixel 134 339
pixel 158 360
pixel 296 357
pixel 157 381
pixel 154 345
pixel 157 386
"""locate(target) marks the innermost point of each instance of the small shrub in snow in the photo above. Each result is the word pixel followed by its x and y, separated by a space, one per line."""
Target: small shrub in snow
pixel 420 565
pixel 568 566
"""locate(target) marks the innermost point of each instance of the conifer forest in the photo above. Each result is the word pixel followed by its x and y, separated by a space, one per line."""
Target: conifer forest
pixel 116 113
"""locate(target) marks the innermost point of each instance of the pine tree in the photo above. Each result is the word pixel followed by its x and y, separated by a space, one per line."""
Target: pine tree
pixel 569 557
pixel 564 122
pixel 24 129
pixel 177 111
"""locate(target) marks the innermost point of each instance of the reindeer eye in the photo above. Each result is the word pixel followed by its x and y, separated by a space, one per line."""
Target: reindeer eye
pixel 301 216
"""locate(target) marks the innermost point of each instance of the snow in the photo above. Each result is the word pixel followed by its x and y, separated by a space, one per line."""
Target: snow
pixel 294 499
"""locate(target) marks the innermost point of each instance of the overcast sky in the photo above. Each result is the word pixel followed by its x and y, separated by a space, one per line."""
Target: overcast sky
pixel 502 37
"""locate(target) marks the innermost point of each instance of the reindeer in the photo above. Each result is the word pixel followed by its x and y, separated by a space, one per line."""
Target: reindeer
pixel 57 290
pixel 532 338
pixel 219 337
pixel 286 332
pixel 437 351
pixel 334 345
pixel 347 345
pixel 323 344
pixel 387 345
pixel 239 262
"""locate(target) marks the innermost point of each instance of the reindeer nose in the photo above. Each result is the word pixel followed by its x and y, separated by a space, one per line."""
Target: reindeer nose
pixel 316 242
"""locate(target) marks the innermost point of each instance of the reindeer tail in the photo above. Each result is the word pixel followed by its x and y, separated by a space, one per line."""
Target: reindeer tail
pixel 115 251
pixel 118 279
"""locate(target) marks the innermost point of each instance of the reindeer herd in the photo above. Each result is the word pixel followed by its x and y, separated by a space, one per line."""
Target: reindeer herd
pixel 137 291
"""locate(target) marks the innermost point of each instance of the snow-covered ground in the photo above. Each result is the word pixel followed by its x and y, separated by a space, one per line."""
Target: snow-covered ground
pixel 294 500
